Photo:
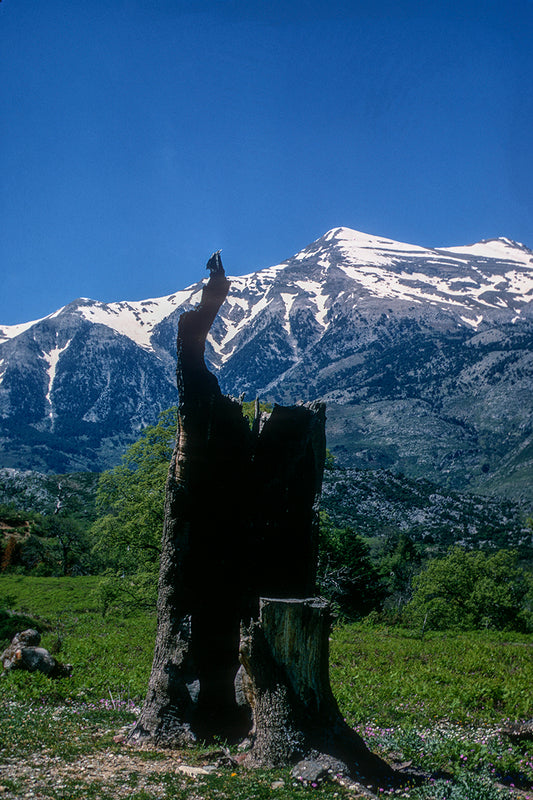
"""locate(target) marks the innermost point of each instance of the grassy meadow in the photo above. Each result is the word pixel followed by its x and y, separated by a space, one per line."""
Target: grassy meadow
pixel 438 701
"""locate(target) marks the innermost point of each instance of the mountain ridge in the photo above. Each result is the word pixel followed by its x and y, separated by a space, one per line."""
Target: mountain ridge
pixel 482 249
pixel 423 356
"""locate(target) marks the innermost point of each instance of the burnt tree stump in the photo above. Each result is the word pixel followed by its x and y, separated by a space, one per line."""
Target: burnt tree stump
pixel 240 523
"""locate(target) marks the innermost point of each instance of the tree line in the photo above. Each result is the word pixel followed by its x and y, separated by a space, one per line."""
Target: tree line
pixel 397 581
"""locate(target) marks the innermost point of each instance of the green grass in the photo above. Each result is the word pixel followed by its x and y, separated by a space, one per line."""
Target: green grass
pixel 51 597
pixel 111 655
pixel 393 677
pixel 437 701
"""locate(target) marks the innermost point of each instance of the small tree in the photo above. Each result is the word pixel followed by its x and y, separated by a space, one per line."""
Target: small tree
pixel 471 589
pixel 400 562
pixel 346 575
pixel 63 545
pixel 130 500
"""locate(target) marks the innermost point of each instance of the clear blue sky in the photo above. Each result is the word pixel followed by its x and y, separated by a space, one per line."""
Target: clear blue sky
pixel 137 136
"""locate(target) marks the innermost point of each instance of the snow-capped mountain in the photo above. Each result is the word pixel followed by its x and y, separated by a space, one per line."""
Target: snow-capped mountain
pixel 424 356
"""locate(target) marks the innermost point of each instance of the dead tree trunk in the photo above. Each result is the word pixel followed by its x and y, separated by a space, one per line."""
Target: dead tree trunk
pixel 241 522
pixel 285 655
pixel 201 598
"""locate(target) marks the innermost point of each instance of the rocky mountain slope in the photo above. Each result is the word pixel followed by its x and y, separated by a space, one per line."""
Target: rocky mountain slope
pixel 377 504
pixel 424 357
pixel 48 494
pixel 381 505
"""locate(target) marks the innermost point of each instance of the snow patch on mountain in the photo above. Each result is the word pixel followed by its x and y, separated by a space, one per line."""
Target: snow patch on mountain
pixel 519 283
pixel 11 331
pixel 363 248
pixel 474 323
pixel 315 292
pixel 235 300
pixel 137 320
pixel 495 248
pixel 52 359
pixel 288 301
pixel 358 241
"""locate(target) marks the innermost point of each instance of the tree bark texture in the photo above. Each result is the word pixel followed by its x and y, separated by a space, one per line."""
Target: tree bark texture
pixel 241 521
pixel 285 655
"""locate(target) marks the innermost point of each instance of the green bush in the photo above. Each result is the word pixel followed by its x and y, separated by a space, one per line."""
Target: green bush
pixel 468 590
pixel 127 594
pixel 130 500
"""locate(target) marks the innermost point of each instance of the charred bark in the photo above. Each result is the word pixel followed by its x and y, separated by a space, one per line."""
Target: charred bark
pixel 287 468
pixel 240 521
pixel 200 594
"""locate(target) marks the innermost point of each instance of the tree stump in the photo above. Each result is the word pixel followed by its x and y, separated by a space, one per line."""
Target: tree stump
pixel 285 655
pixel 241 522
pixel 236 499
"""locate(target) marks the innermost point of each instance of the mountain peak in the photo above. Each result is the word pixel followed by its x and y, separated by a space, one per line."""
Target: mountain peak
pixel 376 261
pixel 354 240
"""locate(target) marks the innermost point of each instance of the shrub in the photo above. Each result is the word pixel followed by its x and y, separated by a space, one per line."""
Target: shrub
pixel 466 590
